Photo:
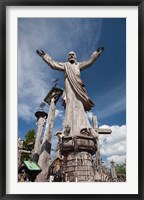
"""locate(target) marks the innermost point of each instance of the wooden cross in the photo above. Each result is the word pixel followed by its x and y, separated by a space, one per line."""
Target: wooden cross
pixel 100 130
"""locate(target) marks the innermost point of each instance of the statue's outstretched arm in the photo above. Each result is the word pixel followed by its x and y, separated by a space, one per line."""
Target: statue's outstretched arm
pixel 53 64
pixel 92 59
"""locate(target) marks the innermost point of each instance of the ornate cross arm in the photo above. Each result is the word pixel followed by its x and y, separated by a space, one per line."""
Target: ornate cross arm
pixel 104 131
pixel 100 130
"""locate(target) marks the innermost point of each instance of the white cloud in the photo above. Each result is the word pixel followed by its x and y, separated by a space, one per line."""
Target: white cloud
pixel 118 159
pixel 113 146
pixel 59 113
pixel 25 112
pixel 32 87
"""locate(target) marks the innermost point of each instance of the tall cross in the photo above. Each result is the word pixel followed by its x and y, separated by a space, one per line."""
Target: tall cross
pixel 99 131
pixel 44 157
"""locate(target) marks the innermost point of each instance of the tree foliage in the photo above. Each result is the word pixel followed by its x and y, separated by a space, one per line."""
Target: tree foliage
pixel 121 169
pixel 28 144
pixel 29 138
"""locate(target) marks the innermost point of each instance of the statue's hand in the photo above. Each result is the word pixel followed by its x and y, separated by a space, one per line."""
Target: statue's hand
pixel 100 49
pixel 40 53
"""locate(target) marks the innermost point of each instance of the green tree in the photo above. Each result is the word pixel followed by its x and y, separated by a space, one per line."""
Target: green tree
pixel 28 144
pixel 121 169
pixel 29 138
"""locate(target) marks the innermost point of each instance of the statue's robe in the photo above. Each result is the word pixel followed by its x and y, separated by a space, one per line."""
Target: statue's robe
pixel 75 99
pixel 78 87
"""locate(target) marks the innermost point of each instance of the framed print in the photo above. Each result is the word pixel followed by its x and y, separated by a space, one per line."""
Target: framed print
pixel 71 99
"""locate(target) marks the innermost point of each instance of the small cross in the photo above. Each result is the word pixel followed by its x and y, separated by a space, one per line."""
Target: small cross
pixel 100 130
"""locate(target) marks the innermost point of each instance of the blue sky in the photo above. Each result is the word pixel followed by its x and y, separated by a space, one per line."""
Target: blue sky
pixel 105 81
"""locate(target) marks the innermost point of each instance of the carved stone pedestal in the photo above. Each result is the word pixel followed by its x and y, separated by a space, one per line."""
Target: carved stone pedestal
pixel 78 153
pixel 79 167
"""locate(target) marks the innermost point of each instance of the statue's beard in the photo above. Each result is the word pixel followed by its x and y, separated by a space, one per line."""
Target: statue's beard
pixel 72 60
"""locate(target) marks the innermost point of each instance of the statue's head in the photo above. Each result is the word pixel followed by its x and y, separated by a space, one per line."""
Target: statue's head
pixel 71 57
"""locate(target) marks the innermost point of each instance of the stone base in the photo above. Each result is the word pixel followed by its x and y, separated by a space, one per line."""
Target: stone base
pixel 79 167
pixel 78 143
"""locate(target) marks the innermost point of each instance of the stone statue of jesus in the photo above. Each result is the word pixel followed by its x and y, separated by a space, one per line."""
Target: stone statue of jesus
pixel 75 99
